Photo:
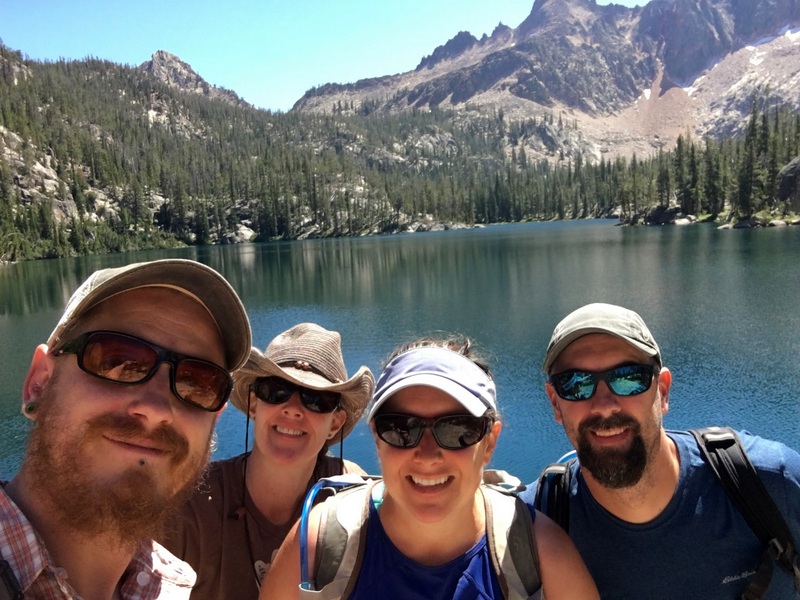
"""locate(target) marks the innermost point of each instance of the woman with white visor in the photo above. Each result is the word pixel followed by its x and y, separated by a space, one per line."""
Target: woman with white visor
pixel 430 523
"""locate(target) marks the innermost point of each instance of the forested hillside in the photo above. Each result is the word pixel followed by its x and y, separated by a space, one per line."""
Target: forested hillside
pixel 97 157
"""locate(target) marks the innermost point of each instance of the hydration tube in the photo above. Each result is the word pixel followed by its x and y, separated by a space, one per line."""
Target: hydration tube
pixel 340 481
pixel 566 457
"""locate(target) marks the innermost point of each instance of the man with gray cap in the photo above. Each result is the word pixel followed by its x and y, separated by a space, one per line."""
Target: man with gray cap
pixel 645 510
pixel 123 397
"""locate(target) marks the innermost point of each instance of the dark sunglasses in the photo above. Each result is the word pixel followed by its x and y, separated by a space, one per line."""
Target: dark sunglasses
pixel 275 390
pixel 452 432
pixel 627 380
pixel 128 360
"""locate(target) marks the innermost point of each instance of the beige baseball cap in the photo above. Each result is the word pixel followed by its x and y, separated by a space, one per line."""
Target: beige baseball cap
pixel 190 277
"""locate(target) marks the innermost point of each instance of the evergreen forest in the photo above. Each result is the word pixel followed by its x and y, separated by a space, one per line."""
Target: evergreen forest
pixel 97 157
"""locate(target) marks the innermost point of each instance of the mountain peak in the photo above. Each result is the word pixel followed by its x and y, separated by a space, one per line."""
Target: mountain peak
pixel 643 75
pixel 462 42
pixel 172 71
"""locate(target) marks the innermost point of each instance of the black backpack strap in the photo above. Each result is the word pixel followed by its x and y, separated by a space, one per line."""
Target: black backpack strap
pixel 723 451
pixel 552 492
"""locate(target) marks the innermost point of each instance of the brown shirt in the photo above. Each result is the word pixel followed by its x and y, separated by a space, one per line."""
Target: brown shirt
pixel 221 534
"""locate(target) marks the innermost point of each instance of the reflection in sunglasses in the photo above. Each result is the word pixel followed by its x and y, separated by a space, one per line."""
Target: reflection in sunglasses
pixel 129 360
pixel 451 432
pixel 625 380
pixel 276 390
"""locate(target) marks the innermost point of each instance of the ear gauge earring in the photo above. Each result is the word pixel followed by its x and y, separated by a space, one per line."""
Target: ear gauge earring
pixel 30 407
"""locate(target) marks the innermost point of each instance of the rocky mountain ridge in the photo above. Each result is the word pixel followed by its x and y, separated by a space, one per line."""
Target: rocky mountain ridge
pixel 632 79
pixel 101 163
pixel 174 72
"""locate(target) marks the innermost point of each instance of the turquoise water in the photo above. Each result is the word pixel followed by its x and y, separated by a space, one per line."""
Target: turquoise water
pixel 721 304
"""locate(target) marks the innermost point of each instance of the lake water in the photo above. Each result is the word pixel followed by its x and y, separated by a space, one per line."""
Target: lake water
pixel 723 305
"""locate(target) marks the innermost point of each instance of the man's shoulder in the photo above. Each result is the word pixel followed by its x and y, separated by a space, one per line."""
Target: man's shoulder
pixel 15 529
pixel 21 545
pixel 777 465
pixel 767 451
pixel 6 504
pixel 771 459
pixel 766 455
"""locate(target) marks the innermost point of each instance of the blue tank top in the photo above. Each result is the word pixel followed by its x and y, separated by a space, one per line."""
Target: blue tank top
pixel 390 575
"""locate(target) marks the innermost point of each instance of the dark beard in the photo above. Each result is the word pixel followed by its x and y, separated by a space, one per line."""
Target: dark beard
pixel 611 468
pixel 130 509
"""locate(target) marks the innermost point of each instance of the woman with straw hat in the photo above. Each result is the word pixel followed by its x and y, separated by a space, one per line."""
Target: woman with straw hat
pixel 301 402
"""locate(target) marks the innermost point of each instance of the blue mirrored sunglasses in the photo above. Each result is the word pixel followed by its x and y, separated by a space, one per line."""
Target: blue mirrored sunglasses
pixel 626 380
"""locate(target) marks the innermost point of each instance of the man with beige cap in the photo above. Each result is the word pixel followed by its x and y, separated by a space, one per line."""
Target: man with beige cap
pixel 123 397
pixel 301 402
pixel 645 510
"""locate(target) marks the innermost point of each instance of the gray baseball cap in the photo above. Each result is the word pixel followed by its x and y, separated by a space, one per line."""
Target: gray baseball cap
pixel 601 318
pixel 190 277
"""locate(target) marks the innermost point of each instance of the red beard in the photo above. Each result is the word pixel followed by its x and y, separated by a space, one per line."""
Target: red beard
pixel 130 508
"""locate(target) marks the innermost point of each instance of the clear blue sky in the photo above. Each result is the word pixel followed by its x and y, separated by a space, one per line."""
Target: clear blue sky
pixel 268 51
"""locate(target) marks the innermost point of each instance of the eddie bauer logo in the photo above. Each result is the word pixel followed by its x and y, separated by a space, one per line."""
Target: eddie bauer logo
pixel 732 578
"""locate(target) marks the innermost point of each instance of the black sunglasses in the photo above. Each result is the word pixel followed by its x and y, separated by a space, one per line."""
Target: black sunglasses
pixel 128 360
pixel 275 390
pixel 626 380
pixel 451 432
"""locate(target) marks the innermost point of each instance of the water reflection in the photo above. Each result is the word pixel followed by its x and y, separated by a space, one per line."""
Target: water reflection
pixel 720 303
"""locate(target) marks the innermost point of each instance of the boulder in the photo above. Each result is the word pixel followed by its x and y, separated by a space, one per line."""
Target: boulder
pixel 788 184
pixel 659 215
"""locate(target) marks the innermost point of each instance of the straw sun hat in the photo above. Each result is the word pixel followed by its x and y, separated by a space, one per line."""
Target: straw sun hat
pixel 310 356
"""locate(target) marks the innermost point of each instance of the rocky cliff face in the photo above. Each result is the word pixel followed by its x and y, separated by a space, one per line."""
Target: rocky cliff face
pixel 632 79
pixel 177 74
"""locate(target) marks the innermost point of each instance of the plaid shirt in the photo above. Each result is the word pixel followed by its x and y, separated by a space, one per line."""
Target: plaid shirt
pixel 153 572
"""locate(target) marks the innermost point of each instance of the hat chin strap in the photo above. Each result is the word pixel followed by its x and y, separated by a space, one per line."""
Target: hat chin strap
pixel 341 449
pixel 240 512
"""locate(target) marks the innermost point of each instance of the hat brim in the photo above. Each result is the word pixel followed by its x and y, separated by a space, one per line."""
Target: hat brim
pixel 463 396
pixel 355 392
pixel 554 352
pixel 199 281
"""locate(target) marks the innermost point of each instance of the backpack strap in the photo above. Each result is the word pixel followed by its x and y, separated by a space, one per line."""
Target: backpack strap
pixel 340 542
pixel 723 451
pixel 512 547
pixel 552 492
